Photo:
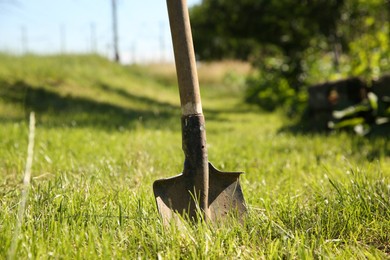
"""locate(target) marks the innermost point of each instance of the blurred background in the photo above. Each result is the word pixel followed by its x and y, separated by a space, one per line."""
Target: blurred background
pixel 86 26
pixel 325 61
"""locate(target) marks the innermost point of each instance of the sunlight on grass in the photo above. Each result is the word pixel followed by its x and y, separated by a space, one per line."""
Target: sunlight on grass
pixel 104 133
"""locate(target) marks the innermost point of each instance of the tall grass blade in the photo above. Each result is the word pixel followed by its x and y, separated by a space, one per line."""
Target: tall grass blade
pixel 25 188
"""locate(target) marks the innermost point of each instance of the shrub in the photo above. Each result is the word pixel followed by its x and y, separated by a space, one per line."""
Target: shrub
pixel 272 91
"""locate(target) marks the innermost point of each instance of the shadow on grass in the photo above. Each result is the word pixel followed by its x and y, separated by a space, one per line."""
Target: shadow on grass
pixel 376 131
pixel 151 102
pixel 212 114
pixel 378 137
pixel 54 110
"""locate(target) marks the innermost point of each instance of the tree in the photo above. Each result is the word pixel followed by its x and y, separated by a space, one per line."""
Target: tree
pixel 252 29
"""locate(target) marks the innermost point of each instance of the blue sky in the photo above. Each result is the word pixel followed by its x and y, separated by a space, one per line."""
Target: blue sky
pixel 52 26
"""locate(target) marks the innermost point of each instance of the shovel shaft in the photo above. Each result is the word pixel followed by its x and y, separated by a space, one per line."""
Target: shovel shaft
pixel 184 57
pixel 196 167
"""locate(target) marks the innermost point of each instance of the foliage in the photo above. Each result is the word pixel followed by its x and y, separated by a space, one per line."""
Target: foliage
pixel 270 89
pixel 260 27
pixel 259 91
pixel 364 116
pixel 283 24
pixel 369 39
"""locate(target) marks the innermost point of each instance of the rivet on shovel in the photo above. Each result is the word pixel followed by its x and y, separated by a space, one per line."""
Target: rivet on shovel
pixel 201 188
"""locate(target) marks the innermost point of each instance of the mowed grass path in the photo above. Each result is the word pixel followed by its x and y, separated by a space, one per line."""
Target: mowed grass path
pixel 105 132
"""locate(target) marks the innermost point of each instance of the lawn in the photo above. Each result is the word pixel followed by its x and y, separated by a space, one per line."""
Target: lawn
pixel 105 132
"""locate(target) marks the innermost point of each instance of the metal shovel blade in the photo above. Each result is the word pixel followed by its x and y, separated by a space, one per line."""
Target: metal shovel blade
pixel 174 196
pixel 225 194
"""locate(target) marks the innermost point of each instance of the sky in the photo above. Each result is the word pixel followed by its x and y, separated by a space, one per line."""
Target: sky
pixel 80 26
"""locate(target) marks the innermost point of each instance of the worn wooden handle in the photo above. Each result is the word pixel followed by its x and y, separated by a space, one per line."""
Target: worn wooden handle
pixel 184 57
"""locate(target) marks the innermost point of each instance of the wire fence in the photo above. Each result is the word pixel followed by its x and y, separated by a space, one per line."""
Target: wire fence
pixel 25 29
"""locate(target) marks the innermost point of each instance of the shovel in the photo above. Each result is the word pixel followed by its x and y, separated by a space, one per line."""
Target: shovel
pixel 200 191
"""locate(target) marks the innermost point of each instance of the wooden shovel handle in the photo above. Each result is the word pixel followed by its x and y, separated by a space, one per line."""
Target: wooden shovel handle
pixel 184 57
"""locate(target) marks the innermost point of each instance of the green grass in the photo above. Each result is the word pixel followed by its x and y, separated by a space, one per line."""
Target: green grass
pixel 105 132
